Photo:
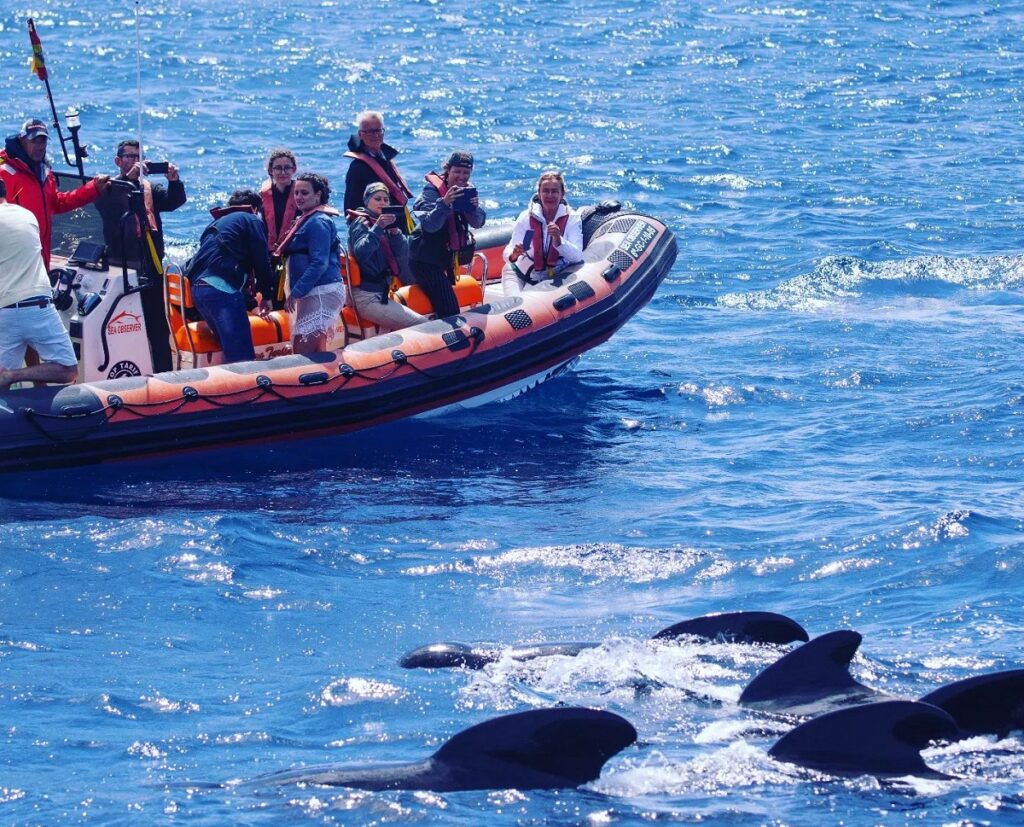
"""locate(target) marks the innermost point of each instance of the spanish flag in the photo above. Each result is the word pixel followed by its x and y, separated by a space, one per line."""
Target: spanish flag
pixel 38 65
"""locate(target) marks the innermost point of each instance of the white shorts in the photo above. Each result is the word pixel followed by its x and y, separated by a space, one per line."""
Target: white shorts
pixel 39 327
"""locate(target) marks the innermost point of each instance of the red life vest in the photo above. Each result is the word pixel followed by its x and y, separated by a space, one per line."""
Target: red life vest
pixel 399 190
pixel 290 210
pixel 289 235
pixel 291 231
pixel 550 259
pixel 456 234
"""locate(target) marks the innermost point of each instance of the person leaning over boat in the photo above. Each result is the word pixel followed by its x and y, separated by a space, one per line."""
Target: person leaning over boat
pixel 231 247
pixel 373 161
pixel 547 237
pixel 316 291
pixel 382 252
pixel 27 314
pixel 32 184
pixel 442 240
pixel 125 242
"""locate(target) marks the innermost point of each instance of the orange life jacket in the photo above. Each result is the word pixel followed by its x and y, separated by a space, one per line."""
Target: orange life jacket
pixel 147 203
pixel 399 190
pixel 267 194
pixel 218 212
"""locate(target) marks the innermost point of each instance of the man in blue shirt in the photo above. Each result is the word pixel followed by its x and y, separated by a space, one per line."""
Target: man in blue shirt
pixel 230 249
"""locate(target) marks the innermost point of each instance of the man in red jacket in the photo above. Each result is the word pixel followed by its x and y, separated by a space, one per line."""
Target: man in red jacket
pixel 32 185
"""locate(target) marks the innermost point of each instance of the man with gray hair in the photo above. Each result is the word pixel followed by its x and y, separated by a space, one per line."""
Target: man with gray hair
pixel 372 161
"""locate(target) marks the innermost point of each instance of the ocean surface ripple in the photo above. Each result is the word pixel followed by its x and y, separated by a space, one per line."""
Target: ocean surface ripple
pixel 819 413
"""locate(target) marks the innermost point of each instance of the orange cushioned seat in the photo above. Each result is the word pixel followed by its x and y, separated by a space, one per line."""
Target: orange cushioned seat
pixel 349 315
pixel 276 327
pixel 467 291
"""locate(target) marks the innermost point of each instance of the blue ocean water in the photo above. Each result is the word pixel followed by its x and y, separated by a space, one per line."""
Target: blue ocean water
pixel 820 413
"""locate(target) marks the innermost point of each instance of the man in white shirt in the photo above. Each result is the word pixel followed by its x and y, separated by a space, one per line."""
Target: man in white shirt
pixel 27 314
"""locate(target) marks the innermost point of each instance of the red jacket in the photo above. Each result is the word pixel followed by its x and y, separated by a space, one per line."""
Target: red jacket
pixel 42 199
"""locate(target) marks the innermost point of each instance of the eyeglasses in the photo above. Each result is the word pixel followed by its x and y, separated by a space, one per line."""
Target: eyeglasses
pixel 372 131
pixel 129 155
pixel 282 169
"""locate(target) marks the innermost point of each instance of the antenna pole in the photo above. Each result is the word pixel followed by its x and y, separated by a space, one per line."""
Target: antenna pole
pixel 138 87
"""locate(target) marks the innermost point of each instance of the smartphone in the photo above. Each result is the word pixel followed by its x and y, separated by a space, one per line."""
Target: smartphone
pixel 464 202
pixel 397 210
pixel 157 167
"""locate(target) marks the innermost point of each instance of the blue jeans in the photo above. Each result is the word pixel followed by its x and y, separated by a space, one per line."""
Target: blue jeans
pixel 226 316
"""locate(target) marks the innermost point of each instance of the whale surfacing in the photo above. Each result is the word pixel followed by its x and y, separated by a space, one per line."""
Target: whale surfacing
pixel 541 749
pixel 816 671
pixel 882 739
pixel 739 627
pixel 445 655
pixel 731 627
pixel 991 704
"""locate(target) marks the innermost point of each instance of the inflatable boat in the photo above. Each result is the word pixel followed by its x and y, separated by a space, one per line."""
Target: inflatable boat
pixel 495 348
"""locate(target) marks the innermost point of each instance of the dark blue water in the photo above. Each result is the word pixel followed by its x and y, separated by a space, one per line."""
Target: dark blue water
pixel 820 413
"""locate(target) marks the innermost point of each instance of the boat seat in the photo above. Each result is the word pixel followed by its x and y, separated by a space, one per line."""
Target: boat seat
pixel 355 326
pixel 269 330
pixel 352 319
pixel 197 337
pixel 467 291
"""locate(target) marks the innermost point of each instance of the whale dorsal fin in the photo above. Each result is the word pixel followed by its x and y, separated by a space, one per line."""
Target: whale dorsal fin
pixel 568 745
pixel 815 670
pixel 540 749
pixel 882 739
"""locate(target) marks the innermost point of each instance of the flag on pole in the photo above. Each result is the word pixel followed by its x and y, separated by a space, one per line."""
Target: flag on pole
pixel 37 65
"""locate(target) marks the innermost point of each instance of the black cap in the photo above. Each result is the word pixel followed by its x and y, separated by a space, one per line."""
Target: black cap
pixel 459 159
pixel 33 128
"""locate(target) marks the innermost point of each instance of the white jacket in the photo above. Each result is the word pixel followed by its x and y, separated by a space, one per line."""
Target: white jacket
pixel 570 251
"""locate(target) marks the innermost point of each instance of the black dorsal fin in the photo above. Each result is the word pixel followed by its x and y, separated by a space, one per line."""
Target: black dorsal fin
pixel 815 670
pixel 568 745
pixel 883 739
